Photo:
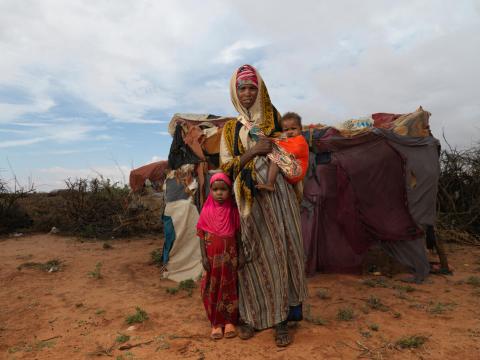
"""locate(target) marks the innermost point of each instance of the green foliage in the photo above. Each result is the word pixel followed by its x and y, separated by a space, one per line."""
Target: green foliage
pixel 396 315
pixel 314 319
pixel 107 246
pixel 404 288
pixel 375 282
pixel 139 317
pixel 376 304
pixel 440 308
pixel 99 312
pixel 374 327
pixel 366 334
pixel 38 346
pixel 345 314
pixel 322 294
pixel 97 272
pixel 473 281
pixel 172 290
pixel 411 342
pixel 156 257
pixel 53 265
pixel 122 338
pixel 185 285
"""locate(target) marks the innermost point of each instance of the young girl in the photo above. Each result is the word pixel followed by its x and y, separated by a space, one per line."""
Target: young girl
pixel 218 229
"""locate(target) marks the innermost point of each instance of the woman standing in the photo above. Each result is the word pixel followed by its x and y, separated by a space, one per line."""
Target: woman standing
pixel 272 284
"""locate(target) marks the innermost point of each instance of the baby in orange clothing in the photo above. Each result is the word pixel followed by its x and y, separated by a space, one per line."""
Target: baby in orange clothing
pixel 290 154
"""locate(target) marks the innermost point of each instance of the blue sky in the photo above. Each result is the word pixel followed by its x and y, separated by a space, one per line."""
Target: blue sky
pixel 88 87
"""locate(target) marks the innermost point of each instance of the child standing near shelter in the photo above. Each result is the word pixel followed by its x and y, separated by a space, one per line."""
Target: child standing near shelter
pixel 218 229
pixel 290 155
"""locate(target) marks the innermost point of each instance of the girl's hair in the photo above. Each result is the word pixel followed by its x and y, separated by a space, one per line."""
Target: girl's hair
pixel 293 116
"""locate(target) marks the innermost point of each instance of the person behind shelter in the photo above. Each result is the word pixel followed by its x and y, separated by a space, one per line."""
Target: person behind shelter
pixel 272 284
pixel 217 228
pixel 290 154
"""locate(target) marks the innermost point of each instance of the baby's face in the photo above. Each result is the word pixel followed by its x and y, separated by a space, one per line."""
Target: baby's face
pixel 291 128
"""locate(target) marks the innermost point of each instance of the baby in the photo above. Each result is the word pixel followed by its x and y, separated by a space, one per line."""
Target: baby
pixel 290 153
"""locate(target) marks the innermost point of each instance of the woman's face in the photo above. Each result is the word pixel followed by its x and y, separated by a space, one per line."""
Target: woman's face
pixel 247 94
pixel 220 191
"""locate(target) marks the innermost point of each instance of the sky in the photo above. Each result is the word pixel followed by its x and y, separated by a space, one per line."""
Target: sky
pixel 87 87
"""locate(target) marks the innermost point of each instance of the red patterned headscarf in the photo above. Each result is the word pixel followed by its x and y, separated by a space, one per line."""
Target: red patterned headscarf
pixel 246 74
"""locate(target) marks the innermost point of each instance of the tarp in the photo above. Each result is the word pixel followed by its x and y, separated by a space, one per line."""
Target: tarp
pixel 369 186
pixel 184 257
pixel 155 172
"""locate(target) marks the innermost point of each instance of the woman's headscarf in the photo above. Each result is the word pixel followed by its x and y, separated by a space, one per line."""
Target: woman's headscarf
pixel 219 219
pixel 262 115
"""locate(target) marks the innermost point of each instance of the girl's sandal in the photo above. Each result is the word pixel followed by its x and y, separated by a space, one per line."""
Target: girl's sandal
pixel 230 331
pixel 216 334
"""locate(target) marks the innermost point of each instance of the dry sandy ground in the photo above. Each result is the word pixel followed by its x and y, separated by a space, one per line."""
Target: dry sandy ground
pixel 70 315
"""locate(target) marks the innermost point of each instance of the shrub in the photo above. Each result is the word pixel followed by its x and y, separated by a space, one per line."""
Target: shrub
pixel 139 317
pixel 411 342
pixel 12 215
pixel 345 314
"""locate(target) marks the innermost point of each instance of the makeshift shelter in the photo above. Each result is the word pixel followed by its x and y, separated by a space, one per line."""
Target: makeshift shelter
pixel 193 156
pixel 154 172
pixel 371 182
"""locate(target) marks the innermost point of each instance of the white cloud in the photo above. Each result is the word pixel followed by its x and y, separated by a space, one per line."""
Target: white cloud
pixel 132 60
pixel 141 121
pixel 233 52
pixel 14 143
pixel 156 158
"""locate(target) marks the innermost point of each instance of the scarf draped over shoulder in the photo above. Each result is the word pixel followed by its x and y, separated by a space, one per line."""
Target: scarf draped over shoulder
pixel 262 115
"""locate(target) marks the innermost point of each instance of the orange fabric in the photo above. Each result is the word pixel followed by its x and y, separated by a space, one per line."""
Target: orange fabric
pixel 154 172
pixel 297 146
pixel 211 145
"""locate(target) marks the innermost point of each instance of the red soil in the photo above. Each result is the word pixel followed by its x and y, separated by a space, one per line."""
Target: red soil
pixel 82 315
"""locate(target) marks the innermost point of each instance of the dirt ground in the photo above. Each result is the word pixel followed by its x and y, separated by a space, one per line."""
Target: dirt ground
pixel 70 314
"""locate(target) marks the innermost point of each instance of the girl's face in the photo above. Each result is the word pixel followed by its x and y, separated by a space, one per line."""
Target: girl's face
pixel 247 94
pixel 220 191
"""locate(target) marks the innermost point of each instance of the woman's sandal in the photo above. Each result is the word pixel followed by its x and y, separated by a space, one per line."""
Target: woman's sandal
pixel 282 337
pixel 230 331
pixel 245 331
pixel 216 334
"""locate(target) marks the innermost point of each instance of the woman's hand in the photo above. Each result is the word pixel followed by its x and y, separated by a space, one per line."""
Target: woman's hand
pixel 263 146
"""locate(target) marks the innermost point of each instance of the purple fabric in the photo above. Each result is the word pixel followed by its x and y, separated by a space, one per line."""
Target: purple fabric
pixel 356 200
pixel 326 243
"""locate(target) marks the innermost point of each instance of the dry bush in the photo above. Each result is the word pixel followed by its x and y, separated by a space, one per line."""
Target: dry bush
pixel 12 215
pixel 458 193
pixel 95 208
pixel 92 208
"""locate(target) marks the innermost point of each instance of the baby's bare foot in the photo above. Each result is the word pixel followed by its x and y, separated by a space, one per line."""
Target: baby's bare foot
pixel 267 187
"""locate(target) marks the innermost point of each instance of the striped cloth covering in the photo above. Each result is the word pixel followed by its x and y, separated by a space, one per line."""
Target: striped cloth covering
pixel 273 278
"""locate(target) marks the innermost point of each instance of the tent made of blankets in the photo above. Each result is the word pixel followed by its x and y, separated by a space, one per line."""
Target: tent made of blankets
pixel 154 172
pixel 370 182
pixel 193 156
